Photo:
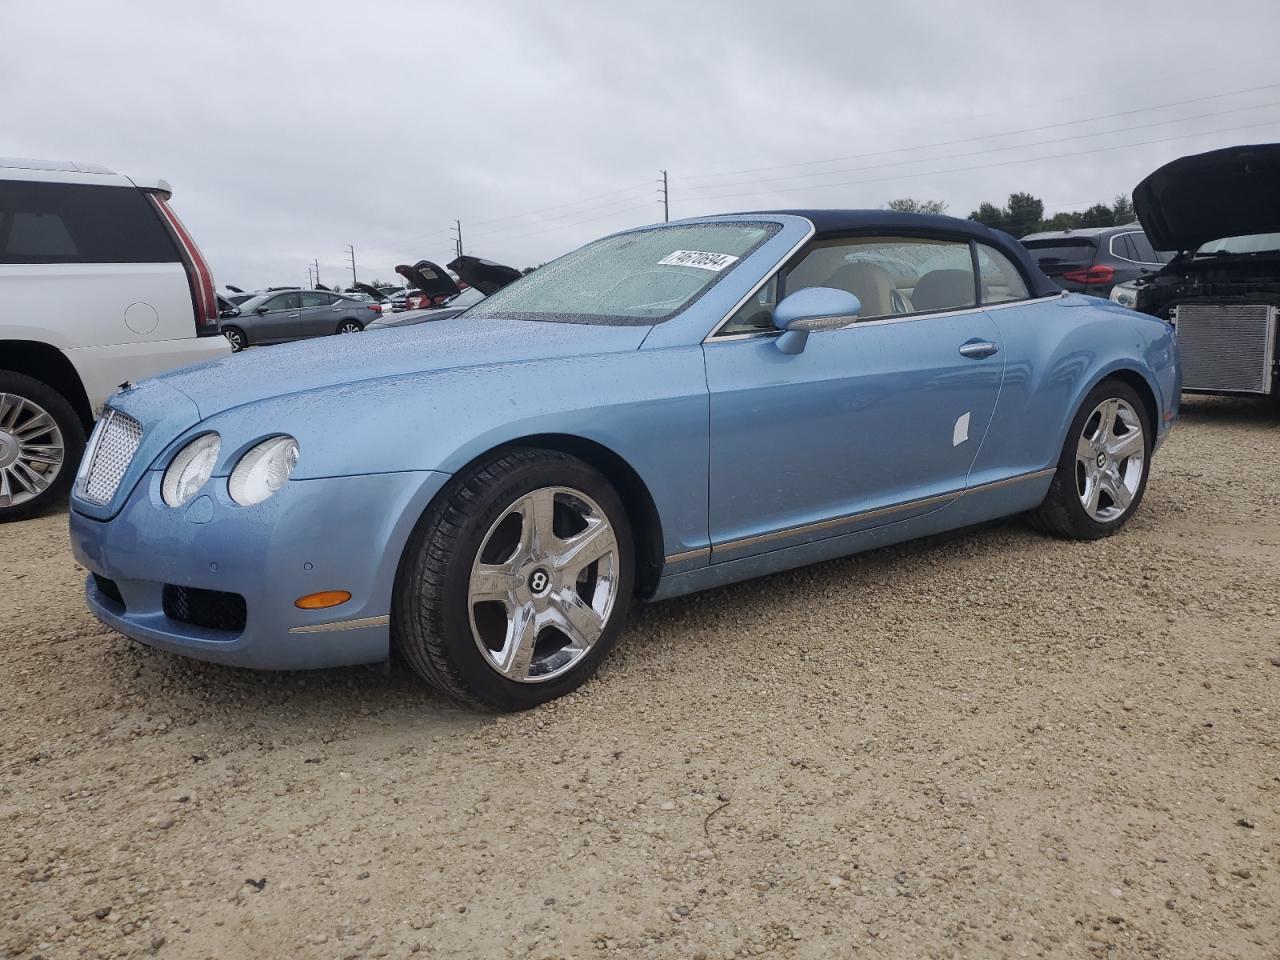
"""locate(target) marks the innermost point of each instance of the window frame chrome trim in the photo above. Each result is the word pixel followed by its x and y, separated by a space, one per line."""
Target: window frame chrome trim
pixel 782 262
pixel 902 318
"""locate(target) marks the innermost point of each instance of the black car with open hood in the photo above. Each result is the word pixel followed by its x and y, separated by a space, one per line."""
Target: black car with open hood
pixel 1231 192
pixel 434 281
pixel 1221 211
pixel 485 275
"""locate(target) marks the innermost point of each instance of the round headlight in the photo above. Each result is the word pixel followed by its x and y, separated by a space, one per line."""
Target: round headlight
pixel 190 469
pixel 263 470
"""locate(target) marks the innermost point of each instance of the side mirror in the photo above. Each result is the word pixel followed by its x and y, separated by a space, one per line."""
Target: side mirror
pixel 810 309
pixel 260 311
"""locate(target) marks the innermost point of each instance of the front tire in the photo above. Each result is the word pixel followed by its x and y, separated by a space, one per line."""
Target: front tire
pixel 1102 472
pixel 517 582
pixel 41 442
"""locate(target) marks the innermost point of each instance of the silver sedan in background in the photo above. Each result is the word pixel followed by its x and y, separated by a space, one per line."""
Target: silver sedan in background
pixel 277 317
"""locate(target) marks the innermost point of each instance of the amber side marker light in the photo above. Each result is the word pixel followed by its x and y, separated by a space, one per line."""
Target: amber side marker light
pixel 322 600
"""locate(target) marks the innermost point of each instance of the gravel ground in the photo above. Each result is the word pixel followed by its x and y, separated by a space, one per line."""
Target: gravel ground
pixel 990 745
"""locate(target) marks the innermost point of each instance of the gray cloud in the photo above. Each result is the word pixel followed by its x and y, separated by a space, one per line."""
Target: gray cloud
pixel 290 129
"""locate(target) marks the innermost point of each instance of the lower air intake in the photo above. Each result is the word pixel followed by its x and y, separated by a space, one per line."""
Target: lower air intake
pixel 210 609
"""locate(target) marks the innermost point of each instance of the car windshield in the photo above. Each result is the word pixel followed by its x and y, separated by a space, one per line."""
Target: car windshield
pixel 1255 243
pixel 254 302
pixel 637 278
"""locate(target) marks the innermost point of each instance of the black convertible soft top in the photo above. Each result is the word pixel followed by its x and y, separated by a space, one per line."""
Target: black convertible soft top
pixel 832 222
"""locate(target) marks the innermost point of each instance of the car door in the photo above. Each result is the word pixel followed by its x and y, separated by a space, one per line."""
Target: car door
pixel 277 318
pixel 873 423
pixel 319 315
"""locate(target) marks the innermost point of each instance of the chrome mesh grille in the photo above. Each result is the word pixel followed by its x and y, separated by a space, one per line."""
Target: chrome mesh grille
pixel 1226 346
pixel 111 449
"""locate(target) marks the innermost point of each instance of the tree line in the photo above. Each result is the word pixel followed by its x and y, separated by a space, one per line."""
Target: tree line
pixel 1023 213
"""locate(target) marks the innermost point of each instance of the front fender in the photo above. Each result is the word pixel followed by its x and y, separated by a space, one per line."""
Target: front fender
pixel 648 407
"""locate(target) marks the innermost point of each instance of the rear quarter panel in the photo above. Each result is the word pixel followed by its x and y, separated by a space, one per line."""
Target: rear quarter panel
pixel 1056 351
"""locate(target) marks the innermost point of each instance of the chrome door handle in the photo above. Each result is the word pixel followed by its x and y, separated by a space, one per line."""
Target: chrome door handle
pixel 978 349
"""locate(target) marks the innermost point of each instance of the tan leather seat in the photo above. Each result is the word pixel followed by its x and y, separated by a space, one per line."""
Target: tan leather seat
pixel 870 283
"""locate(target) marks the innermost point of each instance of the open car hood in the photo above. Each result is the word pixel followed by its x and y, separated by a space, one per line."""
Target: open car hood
pixel 485 275
pixel 372 291
pixel 429 278
pixel 1231 192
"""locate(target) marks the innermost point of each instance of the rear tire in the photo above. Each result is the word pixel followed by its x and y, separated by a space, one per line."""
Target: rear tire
pixel 1102 471
pixel 235 336
pixel 504 556
pixel 41 442
pixel 350 326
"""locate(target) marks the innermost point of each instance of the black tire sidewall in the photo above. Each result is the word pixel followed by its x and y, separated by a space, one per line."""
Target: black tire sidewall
pixel 461 649
pixel 1084 524
pixel 73 441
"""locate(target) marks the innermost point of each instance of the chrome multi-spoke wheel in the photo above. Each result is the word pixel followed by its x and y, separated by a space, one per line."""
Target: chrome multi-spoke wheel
pixel 1102 467
pixel 349 326
pixel 235 338
pixel 1110 459
pixel 32 450
pixel 517 580
pixel 543 584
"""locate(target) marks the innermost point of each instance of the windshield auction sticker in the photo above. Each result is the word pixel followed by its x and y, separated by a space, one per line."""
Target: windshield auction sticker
pixel 697 258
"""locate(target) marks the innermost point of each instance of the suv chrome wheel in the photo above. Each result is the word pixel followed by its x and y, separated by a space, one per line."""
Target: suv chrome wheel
pixel 1110 459
pixel 31 450
pixel 543 584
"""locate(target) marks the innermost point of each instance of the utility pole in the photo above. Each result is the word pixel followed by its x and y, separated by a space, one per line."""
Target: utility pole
pixel 666 206
pixel 310 282
pixel 316 283
pixel 351 252
pixel 457 241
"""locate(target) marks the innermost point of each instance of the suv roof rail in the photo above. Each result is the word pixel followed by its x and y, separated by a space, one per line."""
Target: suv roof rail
pixel 55 166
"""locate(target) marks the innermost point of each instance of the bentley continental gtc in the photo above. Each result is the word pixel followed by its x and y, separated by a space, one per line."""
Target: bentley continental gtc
pixel 664 410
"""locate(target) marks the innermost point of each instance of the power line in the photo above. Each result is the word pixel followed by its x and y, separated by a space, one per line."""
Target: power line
pixel 558 206
pixel 977 153
pixel 988 136
pixel 564 226
pixel 1003 163
pixel 560 216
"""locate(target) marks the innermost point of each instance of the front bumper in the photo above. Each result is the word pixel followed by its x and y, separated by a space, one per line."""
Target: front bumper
pixel 336 533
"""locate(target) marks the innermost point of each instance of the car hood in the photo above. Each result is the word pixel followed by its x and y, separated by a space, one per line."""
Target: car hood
pixel 1224 193
pixel 485 275
pixel 415 351
pixel 432 280
pixel 407 318
pixel 372 291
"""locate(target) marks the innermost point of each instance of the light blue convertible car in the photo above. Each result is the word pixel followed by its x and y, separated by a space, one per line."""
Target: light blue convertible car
pixel 661 411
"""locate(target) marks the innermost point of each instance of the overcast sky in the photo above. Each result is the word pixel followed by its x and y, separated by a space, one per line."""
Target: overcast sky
pixel 290 129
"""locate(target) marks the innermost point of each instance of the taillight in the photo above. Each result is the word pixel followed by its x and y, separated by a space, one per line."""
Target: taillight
pixel 1100 273
pixel 199 277
pixel 374 307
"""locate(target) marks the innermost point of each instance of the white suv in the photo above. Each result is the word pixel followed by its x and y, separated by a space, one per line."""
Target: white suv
pixel 99 283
